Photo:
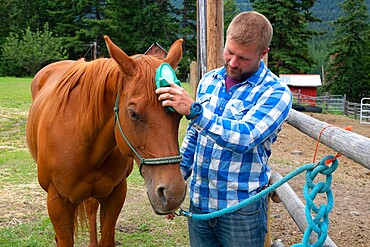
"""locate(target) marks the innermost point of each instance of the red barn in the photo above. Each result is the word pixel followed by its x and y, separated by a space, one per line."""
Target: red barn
pixel 303 84
pixel 303 87
pixel 157 51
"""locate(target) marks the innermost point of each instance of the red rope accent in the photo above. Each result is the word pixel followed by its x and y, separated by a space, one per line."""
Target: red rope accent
pixel 349 128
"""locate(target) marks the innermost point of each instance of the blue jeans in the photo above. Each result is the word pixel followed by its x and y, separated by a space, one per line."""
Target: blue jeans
pixel 246 227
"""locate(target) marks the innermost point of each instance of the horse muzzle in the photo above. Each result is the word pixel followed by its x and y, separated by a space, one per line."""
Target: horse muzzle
pixel 166 196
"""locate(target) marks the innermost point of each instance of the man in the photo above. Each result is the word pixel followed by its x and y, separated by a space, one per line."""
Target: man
pixel 238 112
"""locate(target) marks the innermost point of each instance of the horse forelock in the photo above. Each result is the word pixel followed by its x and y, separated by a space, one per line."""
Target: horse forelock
pixel 143 81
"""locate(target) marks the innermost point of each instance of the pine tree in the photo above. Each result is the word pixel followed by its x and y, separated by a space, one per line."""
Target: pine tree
pixel 185 15
pixel 289 48
pixel 135 25
pixel 65 20
pixel 230 11
pixel 349 66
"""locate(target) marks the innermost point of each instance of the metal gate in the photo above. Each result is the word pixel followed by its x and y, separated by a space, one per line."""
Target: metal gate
pixel 365 111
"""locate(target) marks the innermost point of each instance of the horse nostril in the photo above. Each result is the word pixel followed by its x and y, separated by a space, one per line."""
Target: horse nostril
pixel 161 194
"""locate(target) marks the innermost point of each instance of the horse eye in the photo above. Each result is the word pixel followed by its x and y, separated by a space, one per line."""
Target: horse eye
pixel 133 115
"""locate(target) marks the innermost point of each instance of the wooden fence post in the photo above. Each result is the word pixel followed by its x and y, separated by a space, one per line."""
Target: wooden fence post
pixel 215 33
pixel 344 103
pixel 194 77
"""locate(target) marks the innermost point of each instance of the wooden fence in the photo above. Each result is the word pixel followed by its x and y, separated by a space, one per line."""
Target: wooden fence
pixel 352 109
pixel 335 138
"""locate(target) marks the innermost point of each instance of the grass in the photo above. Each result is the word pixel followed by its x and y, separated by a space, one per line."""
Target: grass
pixel 24 220
pixel 34 234
pixel 15 92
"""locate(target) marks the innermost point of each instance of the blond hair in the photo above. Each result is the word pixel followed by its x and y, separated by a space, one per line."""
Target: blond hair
pixel 251 27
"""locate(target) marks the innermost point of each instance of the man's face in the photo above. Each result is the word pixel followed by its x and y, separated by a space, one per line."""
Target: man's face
pixel 241 61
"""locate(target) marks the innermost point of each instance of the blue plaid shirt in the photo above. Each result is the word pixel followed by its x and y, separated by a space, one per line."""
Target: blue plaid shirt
pixel 226 148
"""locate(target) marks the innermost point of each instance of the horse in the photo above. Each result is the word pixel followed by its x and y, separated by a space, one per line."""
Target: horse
pixel 87 124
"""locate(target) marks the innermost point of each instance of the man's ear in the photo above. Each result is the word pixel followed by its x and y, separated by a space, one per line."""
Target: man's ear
pixel 264 52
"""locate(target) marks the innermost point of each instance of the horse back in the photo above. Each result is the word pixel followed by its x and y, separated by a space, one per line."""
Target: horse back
pixel 49 73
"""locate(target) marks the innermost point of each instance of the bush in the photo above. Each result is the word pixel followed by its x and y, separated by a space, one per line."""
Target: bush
pixel 24 55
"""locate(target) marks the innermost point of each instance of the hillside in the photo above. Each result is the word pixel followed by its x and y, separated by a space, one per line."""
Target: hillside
pixel 326 10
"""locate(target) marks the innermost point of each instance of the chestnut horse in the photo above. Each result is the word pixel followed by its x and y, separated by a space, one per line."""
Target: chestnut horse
pixel 87 124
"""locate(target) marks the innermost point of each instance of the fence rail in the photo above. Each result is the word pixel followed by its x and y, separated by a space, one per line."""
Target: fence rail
pixel 335 138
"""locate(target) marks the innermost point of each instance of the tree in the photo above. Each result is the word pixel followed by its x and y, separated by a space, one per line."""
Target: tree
pixel 24 55
pixel 18 15
pixel 289 47
pixel 135 25
pixel 91 16
pixel 349 67
pixel 66 19
pixel 185 16
pixel 230 11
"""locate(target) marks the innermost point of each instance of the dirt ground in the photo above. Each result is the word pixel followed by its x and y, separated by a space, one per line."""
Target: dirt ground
pixel 350 217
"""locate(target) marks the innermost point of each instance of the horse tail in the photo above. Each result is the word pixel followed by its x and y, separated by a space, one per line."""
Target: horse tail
pixel 85 215
pixel 80 221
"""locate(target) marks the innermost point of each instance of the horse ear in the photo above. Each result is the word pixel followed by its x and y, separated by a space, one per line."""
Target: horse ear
pixel 174 54
pixel 128 65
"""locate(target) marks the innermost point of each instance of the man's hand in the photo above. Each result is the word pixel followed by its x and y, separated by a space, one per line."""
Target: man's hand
pixel 177 97
pixel 170 216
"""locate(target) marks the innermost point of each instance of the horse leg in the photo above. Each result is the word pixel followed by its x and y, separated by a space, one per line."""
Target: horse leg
pixel 109 211
pixel 92 206
pixel 61 213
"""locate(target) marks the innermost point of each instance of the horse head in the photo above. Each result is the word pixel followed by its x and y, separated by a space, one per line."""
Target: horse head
pixel 146 131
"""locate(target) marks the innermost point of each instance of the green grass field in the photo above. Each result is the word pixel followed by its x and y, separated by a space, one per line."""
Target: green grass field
pixel 23 218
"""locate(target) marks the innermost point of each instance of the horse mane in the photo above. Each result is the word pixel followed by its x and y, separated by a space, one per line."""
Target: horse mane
pixel 97 80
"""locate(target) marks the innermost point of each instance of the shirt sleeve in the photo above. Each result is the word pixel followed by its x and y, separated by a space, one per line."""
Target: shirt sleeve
pixel 267 114
pixel 188 150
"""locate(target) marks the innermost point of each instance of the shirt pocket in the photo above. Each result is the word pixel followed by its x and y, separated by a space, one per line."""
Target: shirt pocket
pixel 208 101
pixel 237 109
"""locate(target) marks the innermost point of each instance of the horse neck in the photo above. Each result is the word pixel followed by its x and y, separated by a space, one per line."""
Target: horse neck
pixel 100 83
